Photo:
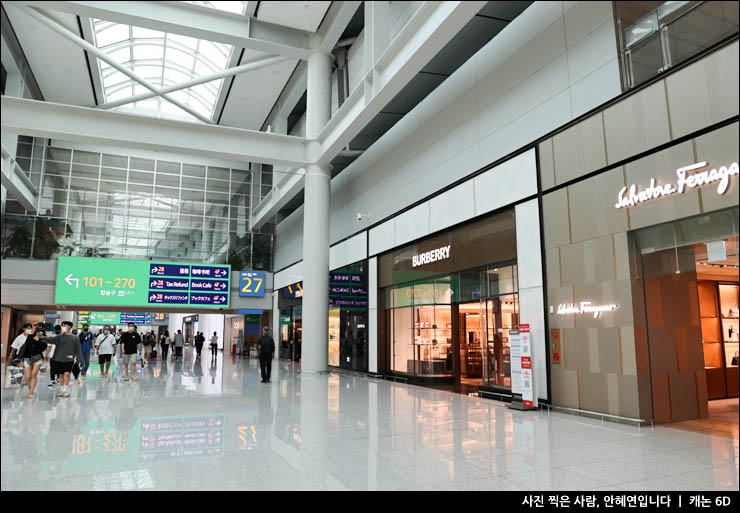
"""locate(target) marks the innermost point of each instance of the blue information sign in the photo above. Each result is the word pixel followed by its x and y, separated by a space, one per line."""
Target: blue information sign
pixel 203 271
pixel 200 298
pixel 168 283
pixel 209 285
pixel 252 284
pixel 178 298
pixel 169 270
pixel 138 318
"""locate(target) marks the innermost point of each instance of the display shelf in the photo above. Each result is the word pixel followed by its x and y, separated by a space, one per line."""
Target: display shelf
pixel 707 299
pixel 732 354
pixel 713 355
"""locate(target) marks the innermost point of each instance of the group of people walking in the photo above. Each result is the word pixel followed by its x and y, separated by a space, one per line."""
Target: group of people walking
pixel 68 353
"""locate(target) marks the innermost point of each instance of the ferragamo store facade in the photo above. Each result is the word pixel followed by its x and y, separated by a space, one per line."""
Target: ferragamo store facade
pixel 640 209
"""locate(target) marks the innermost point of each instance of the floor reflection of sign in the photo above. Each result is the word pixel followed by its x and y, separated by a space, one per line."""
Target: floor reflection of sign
pixel 99 442
pixel 164 439
pixel 247 436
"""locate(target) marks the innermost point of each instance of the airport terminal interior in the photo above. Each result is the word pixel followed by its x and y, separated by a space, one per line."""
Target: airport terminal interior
pixel 370 246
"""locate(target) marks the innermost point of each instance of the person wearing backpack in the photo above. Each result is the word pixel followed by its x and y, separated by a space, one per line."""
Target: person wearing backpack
pixel 267 352
pixel 148 343
pixel 179 342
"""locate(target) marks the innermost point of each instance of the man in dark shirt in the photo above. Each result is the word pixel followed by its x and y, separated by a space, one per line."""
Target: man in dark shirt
pixel 66 353
pixel 131 342
pixel 267 352
pixel 86 342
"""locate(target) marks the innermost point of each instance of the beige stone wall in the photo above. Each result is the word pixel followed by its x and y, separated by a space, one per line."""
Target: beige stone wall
pixel 604 365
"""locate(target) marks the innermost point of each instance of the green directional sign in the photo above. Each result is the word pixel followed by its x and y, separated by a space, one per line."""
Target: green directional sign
pixel 104 318
pixel 110 282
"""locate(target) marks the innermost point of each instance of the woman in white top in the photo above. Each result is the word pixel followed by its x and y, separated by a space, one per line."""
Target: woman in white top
pixel 214 345
pixel 105 346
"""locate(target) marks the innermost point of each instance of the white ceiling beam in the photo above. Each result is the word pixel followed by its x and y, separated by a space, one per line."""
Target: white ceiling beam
pixel 95 126
pixel 223 92
pixel 336 20
pixel 251 8
pixel 97 81
pixel 194 21
pixel 431 27
pixel 19 187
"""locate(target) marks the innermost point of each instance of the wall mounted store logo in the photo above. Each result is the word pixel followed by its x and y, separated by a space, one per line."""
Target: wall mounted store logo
pixel 584 307
pixel 431 256
pixel 630 196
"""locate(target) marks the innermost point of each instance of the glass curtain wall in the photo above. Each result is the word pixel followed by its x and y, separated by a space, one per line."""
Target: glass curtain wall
pixel 117 206
pixel 655 36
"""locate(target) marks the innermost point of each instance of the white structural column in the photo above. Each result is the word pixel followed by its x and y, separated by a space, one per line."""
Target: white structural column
pixel 314 345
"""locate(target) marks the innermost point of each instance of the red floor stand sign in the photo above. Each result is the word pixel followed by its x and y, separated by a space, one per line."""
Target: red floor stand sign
pixel 522 385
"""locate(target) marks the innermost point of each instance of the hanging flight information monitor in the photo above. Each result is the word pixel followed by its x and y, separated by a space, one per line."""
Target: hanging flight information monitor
pixel 98 281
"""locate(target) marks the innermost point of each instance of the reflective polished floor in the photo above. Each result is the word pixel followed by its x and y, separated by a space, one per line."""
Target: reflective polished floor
pixel 199 424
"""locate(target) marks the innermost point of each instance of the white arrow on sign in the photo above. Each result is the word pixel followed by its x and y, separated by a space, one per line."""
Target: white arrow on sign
pixel 69 281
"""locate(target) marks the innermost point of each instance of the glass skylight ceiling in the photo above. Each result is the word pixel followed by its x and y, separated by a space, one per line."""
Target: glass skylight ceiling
pixel 162 59
pixel 236 7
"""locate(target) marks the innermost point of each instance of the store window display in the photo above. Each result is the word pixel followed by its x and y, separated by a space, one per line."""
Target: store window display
pixel 435 336
pixel 348 322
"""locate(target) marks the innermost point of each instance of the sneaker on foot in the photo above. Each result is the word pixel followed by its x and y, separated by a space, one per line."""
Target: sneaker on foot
pixel 125 378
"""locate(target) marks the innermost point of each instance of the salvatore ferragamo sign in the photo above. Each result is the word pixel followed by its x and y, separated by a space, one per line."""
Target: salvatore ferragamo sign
pixel 584 307
pixel 685 180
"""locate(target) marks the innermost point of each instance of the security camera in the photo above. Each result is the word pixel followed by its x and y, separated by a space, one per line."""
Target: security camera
pixel 359 216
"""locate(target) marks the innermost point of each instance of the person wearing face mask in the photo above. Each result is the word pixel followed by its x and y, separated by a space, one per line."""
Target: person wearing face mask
pixel 131 342
pixel 32 355
pixel 86 342
pixel 66 352
pixel 53 372
pixel 20 340
pixel 105 346
pixel 15 347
